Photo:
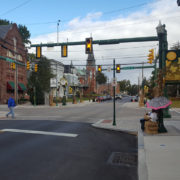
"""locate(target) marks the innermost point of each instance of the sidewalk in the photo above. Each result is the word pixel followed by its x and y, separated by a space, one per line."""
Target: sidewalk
pixel 159 154
pixel 4 109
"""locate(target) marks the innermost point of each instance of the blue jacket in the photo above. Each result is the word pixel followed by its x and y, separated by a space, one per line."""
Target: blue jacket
pixel 11 102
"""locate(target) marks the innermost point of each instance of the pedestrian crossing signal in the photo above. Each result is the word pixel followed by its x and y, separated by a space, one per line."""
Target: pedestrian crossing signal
pixel 64 51
pixel 88 45
pixel 99 68
pixel 38 52
pixel 118 68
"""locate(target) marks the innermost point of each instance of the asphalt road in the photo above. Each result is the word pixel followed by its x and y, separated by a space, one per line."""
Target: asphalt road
pixel 67 148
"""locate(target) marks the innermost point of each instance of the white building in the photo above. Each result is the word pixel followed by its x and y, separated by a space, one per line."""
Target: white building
pixel 58 71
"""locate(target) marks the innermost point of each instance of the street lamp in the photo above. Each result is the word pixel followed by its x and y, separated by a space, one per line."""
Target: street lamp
pixel 58 30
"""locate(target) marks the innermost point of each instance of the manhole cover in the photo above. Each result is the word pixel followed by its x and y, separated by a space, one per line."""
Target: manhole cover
pixel 121 158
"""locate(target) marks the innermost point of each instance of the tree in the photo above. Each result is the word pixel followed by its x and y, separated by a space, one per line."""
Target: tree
pixel 176 46
pixel 124 85
pixel 40 80
pixel 101 78
pixel 133 90
pixel 24 32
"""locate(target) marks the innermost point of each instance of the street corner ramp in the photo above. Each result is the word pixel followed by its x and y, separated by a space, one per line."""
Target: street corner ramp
pixel 108 125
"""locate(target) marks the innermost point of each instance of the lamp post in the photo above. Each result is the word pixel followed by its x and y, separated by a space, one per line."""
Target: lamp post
pixel 163 46
pixel 58 30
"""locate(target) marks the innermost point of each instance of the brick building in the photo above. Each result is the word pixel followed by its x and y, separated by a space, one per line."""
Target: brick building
pixel 91 74
pixel 12 49
pixel 107 89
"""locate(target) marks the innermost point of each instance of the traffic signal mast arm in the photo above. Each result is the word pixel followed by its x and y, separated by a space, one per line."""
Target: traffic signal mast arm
pixel 100 42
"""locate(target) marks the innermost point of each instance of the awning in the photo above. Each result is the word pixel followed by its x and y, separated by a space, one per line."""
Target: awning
pixel 10 85
pixel 21 87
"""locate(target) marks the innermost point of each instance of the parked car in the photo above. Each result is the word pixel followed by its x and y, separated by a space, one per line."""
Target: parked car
pixel 134 99
pixel 99 99
pixel 118 96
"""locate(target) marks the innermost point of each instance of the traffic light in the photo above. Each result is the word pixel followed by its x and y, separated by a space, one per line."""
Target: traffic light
pixel 151 56
pixel 88 45
pixel 99 68
pixel 38 52
pixel 27 65
pixel 64 51
pixel 13 66
pixel 118 68
pixel 36 67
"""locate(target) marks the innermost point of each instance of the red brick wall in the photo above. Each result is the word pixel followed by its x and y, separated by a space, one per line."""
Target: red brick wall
pixel 91 80
pixel 107 89
pixel 6 73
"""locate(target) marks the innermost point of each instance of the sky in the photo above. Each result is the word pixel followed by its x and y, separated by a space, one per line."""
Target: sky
pixel 101 19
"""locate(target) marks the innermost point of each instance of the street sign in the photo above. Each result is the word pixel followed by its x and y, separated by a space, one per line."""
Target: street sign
pixel 114 82
pixel 109 69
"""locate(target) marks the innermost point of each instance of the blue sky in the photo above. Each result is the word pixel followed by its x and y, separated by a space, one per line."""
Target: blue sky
pixel 101 19
pixel 33 13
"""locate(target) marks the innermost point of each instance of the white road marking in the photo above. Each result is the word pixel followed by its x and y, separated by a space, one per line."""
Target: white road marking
pixel 39 132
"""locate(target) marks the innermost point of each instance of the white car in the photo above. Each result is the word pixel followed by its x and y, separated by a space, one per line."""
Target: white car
pixel 118 96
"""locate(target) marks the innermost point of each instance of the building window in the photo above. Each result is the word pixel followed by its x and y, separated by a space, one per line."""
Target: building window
pixel 15 43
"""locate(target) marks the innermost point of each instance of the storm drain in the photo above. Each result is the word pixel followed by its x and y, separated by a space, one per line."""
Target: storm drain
pixel 123 159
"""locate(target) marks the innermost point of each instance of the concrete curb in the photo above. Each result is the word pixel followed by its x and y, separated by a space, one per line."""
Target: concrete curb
pixel 142 166
pixel 98 125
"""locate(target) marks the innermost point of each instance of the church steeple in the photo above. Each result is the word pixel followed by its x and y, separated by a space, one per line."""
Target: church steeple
pixel 91 71
pixel 91 60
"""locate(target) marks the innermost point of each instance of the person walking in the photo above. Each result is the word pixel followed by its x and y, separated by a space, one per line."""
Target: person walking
pixel 11 105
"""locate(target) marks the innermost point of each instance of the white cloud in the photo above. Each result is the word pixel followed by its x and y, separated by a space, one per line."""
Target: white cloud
pixel 136 24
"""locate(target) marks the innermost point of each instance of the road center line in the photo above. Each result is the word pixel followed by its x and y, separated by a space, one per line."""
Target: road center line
pixel 39 132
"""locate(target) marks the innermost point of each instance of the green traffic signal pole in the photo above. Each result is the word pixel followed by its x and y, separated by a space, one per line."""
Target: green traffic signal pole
pixel 114 93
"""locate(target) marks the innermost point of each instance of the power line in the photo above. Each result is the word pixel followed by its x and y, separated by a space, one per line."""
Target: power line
pixel 13 9
pixel 103 13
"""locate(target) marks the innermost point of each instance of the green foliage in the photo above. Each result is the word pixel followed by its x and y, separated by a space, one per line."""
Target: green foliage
pixel 25 34
pixel 4 22
pixel 124 85
pixel 40 80
pixel 133 90
pixel 100 78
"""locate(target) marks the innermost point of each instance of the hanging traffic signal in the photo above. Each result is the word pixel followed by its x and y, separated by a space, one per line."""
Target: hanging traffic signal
pixel 28 65
pixel 38 52
pixel 88 45
pixel 118 68
pixel 151 56
pixel 13 66
pixel 36 67
pixel 99 68
pixel 64 51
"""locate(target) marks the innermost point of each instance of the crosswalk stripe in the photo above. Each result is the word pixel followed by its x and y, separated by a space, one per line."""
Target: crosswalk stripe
pixel 39 132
